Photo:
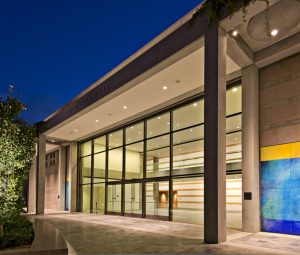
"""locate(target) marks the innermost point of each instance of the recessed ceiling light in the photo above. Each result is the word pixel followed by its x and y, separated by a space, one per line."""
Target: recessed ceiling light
pixel 75 130
pixel 96 121
pixel 168 123
pixel 235 33
pixel 124 107
pixel 53 141
pixel 177 124
pixel 179 149
pixel 195 104
pixel 150 133
pixel 274 32
pixel 234 90
pixel 132 127
pixel 158 117
pixel 165 87
pixel 191 130
pixel 235 138
pixel 238 127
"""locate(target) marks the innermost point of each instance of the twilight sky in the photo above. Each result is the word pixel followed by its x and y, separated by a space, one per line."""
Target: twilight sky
pixel 51 50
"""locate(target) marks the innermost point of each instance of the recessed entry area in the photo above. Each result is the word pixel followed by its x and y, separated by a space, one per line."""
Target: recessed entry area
pixel 154 167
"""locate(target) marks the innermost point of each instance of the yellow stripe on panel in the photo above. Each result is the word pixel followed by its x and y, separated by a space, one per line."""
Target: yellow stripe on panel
pixel 295 150
pixel 276 152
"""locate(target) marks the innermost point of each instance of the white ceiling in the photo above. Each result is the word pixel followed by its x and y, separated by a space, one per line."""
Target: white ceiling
pixel 144 96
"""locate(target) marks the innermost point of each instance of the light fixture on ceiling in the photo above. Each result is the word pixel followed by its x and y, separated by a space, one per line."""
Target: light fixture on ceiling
pixel 168 123
pixel 75 130
pixel 96 121
pixel 195 104
pixel 274 32
pixel 235 138
pixel 191 130
pixel 238 127
pixel 158 117
pixel 52 141
pixel 234 90
pixel 165 87
pixel 234 33
pixel 124 107
pixel 132 127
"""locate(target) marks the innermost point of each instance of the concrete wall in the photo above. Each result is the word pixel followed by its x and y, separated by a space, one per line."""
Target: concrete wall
pixel 280 102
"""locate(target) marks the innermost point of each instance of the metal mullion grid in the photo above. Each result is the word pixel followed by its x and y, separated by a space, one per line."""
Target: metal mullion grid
pixel 106 174
pixel 144 171
pixel 92 178
pixel 123 173
pixel 78 190
pixel 171 168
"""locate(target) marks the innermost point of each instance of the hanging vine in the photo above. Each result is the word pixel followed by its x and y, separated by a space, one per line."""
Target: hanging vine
pixel 216 9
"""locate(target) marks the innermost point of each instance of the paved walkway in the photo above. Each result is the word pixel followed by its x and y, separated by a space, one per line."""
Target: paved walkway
pixel 96 234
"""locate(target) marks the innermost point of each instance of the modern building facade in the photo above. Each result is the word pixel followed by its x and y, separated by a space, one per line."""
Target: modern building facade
pixel 202 126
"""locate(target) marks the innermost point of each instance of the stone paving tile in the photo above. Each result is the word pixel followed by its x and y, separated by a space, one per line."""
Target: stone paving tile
pixel 286 244
pixel 86 237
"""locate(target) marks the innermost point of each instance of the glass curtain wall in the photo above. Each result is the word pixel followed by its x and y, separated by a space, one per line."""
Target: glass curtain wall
pixel 154 168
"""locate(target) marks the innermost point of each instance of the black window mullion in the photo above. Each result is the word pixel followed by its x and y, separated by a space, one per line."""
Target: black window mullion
pixel 171 168
pixel 144 171
pixel 106 175
pixel 92 178
pixel 123 173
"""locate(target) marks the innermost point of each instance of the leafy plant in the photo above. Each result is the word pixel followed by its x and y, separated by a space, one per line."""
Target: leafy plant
pixel 17 148
pixel 18 230
pixel 216 9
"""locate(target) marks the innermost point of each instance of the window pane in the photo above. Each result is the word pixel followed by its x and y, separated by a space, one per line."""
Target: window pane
pixel 158 162
pixel 86 165
pixel 234 123
pixel 116 139
pixel 115 164
pixel 189 115
pixel 99 166
pixel 188 158
pixel 133 198
pixel 234 201
pixel 100 144
pixel 234 151
pixel 85 198
pixel 114 198
pixel 157 200
pixel 188 135
pixel 86 149
pixel 134 161
pixel 158 142
pixel 158 125
pixel 234 100
pixel 188 200
pixel 135 133
pixel 99 198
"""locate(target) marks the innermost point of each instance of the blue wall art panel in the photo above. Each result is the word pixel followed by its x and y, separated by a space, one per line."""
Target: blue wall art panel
pixel 280 189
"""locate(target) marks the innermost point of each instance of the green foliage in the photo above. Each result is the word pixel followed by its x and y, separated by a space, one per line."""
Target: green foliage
pixel 216 9
pixel 18 230
pixel 17 149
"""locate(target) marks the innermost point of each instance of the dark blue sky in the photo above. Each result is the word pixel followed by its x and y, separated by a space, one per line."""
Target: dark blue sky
pixel 51 50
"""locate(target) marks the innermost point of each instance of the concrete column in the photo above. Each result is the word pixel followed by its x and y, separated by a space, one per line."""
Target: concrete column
pixel 215 137
pixel 40 175
pixel 73 176
pixel 62 178
pixel 250 148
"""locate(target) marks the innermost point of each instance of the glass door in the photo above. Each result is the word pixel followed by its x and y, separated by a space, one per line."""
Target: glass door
pixel 114 199
pixel 157 200
pixel 133 199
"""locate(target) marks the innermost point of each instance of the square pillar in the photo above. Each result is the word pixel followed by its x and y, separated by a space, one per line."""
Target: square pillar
pixel 40 175
pixel 250 150
pixel 62 178
pixel 73 177
pixel 215 136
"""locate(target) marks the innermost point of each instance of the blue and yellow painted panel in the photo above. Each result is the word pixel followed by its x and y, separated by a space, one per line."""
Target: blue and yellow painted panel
pixel 280 188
